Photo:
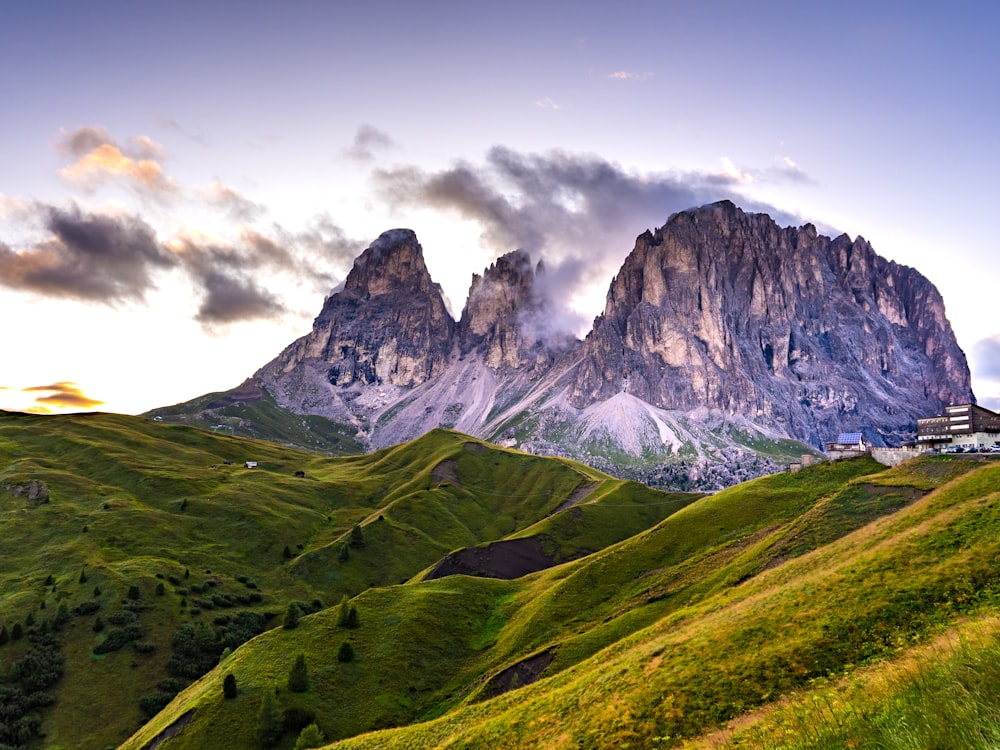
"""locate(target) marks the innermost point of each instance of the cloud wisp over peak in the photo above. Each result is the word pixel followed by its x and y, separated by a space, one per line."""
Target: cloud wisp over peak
pixel 576 212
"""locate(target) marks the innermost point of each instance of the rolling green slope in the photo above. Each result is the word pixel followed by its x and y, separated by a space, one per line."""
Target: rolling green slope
pixel 250 411
pixel 135 551
pixel 774 588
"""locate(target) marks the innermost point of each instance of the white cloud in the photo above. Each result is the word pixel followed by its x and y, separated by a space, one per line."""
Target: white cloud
pixel 628 75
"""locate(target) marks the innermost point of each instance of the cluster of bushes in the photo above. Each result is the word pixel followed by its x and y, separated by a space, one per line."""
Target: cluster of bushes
pixel 26 691
pixel 273 723
pixel 125 629
pixel 196 647
pixel 228 601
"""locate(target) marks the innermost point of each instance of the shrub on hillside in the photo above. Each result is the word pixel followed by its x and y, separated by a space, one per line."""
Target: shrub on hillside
pixel 270 720
pixel 152 704
pixel 292 616
pixel 229 690
pixel 298 677
pixel 310 737
pixel 345 653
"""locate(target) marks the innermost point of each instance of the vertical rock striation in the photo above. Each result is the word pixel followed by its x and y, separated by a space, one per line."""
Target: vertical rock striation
pixel 388 325
pixel 790 329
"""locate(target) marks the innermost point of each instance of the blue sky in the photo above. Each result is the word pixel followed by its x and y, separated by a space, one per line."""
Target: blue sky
pixel 182 183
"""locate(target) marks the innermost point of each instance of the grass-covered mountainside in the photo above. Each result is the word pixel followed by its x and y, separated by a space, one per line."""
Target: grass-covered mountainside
pixel 847 605
pixel 844 606
pixel 250 411
pixel 137 554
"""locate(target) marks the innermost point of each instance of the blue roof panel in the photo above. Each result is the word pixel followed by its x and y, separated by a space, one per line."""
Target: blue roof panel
pixel 849 438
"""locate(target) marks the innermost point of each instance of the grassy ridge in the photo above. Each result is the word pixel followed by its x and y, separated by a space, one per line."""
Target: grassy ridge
pixel 870 595
pixel 173 512
pixel 722 608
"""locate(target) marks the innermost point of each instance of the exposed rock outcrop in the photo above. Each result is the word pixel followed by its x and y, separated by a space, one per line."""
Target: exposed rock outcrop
pixel 501 316
pixel 721 330
pixel 389 324
pixel 788 328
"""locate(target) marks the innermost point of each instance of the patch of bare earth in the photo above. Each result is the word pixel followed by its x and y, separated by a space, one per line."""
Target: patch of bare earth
pixel 506 559
pixel 578 496
pixel 170 732
pixel 523 673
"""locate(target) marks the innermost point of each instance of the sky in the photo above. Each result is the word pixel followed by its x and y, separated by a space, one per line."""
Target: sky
pixel 182 184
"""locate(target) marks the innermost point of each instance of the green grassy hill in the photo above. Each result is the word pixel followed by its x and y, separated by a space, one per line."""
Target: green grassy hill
pixel 847 605
pixel 135 552
pixel 790 611
pixel 250 411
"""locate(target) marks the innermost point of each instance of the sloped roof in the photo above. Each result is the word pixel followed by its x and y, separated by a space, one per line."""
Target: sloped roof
pixel 849 438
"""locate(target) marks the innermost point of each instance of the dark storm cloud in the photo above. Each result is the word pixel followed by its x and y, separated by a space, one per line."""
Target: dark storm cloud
pixel 90 257
pixel 111 260
pixel 367 141
pixel 230 299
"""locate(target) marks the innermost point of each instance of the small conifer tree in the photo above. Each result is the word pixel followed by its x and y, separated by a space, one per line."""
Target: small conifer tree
pixel 133 592
pixel 287 552
pixel 298 678
pixel 357 537
pixel 98 624
pixel 160 590
pixel 345 553
pixel 16 632
pixel 343 612
pixel 97 590
pixel 292 616
pixel 311 736
pixel 83 576
pixel 229 690
pixel 270 720
pixel 50 580
pixel 345 653
pixel 352 618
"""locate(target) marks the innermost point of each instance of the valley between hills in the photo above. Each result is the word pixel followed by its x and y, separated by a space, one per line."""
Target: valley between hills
pixel 162 594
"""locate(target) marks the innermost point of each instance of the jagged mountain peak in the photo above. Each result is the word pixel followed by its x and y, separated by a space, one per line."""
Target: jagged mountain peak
pixel 389 324
pixel 505 316
pixel 393 262
pixel 720 326
pixel 808 335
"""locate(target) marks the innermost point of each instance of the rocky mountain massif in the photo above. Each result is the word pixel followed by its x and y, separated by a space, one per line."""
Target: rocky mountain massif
pixel 725 337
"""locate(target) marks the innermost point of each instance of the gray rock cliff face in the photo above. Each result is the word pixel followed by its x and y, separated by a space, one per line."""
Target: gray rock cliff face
pixel 722 332
pixel 502 319
pixel 389 324
pixel 792 330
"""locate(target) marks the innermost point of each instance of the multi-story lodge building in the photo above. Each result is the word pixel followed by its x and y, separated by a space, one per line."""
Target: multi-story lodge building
pixel 963 425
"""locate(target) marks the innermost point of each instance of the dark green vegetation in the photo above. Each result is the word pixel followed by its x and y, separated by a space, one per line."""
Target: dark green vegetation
pixel 137 556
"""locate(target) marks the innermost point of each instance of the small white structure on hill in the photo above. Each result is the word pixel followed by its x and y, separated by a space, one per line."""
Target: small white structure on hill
pixel 847 445
pixel 251 464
